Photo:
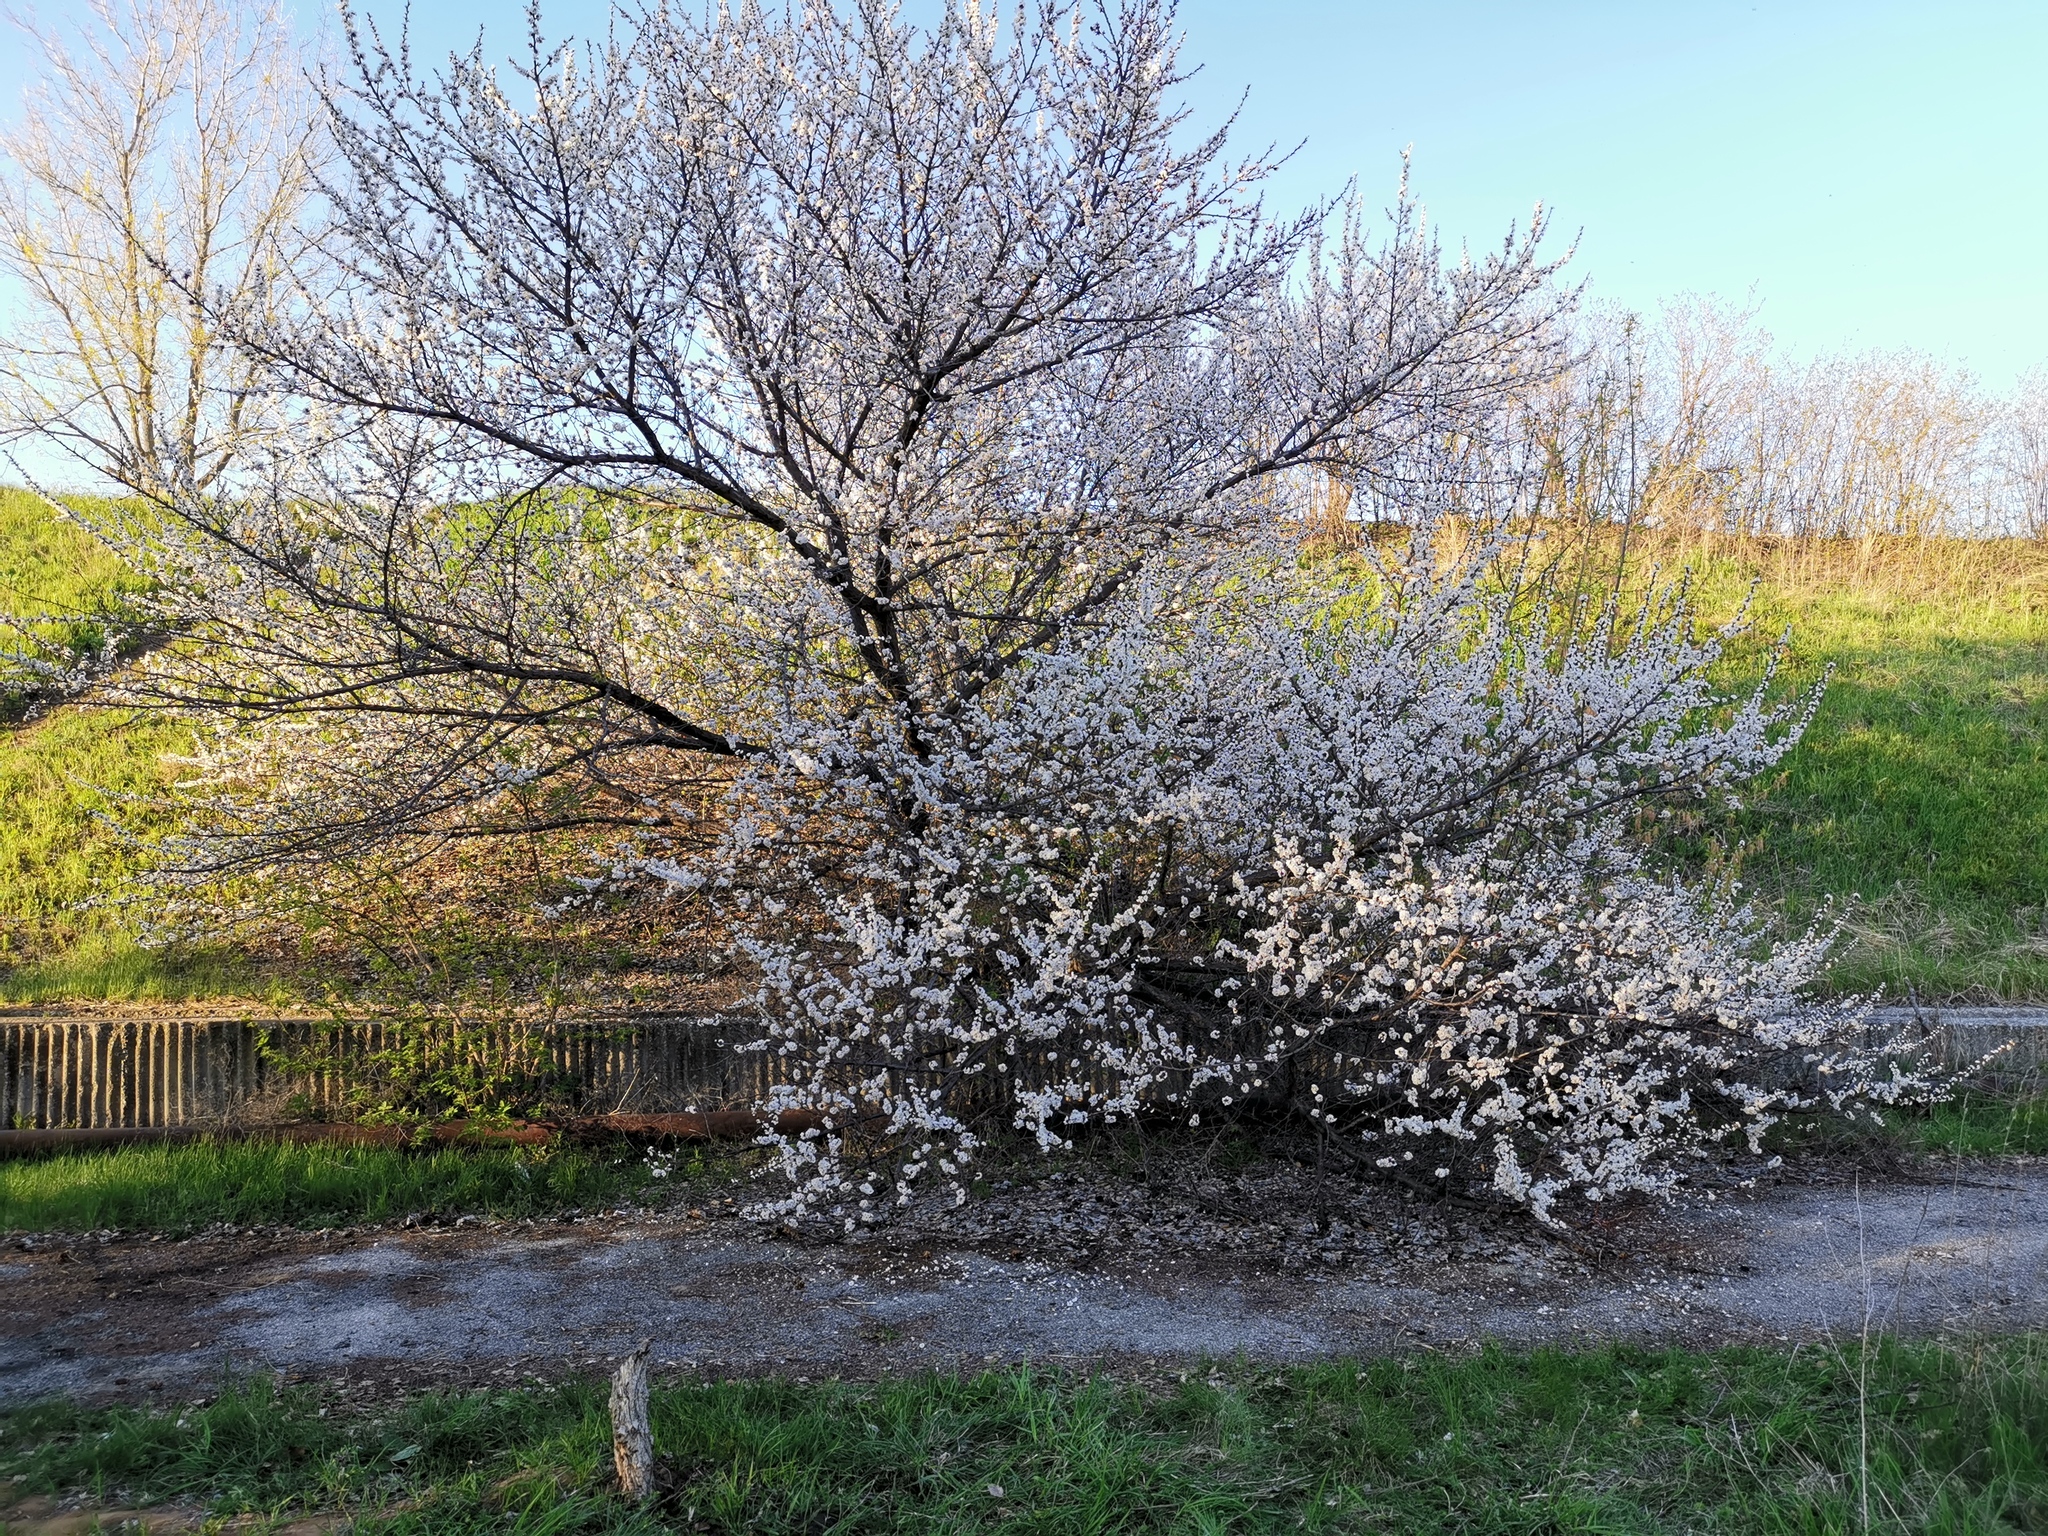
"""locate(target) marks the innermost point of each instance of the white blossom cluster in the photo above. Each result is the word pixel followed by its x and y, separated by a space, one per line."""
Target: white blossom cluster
pixel 1367 854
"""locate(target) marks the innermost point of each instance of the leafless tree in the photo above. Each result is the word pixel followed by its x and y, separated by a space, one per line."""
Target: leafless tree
pixel 160 173
pixel 1700 421
pixel 2022 439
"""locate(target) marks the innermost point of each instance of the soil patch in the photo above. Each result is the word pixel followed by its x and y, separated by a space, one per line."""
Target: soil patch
pixel 1075 1268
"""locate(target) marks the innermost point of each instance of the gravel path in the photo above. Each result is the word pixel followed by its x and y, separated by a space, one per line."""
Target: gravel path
pixel 373 1311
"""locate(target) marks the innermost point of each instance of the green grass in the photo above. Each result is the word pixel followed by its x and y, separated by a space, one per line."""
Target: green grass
pixel 1981 1124
pixel 1933 1437
pixel 54 573
pixel 63 867
pixel 1978 1121
pixel 1922 787
pixel 181 1188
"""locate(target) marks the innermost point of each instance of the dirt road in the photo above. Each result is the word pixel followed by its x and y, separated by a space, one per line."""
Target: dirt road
pixel 158 1319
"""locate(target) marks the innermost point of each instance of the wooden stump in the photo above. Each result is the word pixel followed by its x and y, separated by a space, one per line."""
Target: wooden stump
pixel 632 1435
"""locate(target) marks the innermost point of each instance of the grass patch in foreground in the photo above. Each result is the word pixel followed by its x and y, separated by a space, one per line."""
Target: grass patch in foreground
pixel 1937 1437
pixel 181 1188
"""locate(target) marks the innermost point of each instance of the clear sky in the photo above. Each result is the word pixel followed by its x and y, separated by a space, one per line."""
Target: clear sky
pixel 1876 174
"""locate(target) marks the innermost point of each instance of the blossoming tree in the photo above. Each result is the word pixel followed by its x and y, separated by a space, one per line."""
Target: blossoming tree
pixel 850 472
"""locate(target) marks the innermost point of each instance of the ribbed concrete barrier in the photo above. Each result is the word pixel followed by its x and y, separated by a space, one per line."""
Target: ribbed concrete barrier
pixel 80 1071
pixel 2006 1042
pixel 74 1069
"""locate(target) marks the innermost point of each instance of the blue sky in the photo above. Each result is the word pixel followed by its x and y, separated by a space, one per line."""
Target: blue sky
pixel 1875 174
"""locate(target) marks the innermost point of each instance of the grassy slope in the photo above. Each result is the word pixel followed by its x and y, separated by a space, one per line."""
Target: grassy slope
pixel 60 775
pixel 1937 1437
pixel 61 862
pixel 1923 787
pixel 52 570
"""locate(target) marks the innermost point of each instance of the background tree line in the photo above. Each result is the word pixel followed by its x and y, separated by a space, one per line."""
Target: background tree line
pixel 1695 421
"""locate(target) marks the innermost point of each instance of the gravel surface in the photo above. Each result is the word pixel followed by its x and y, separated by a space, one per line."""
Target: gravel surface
pixel 1076 1268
